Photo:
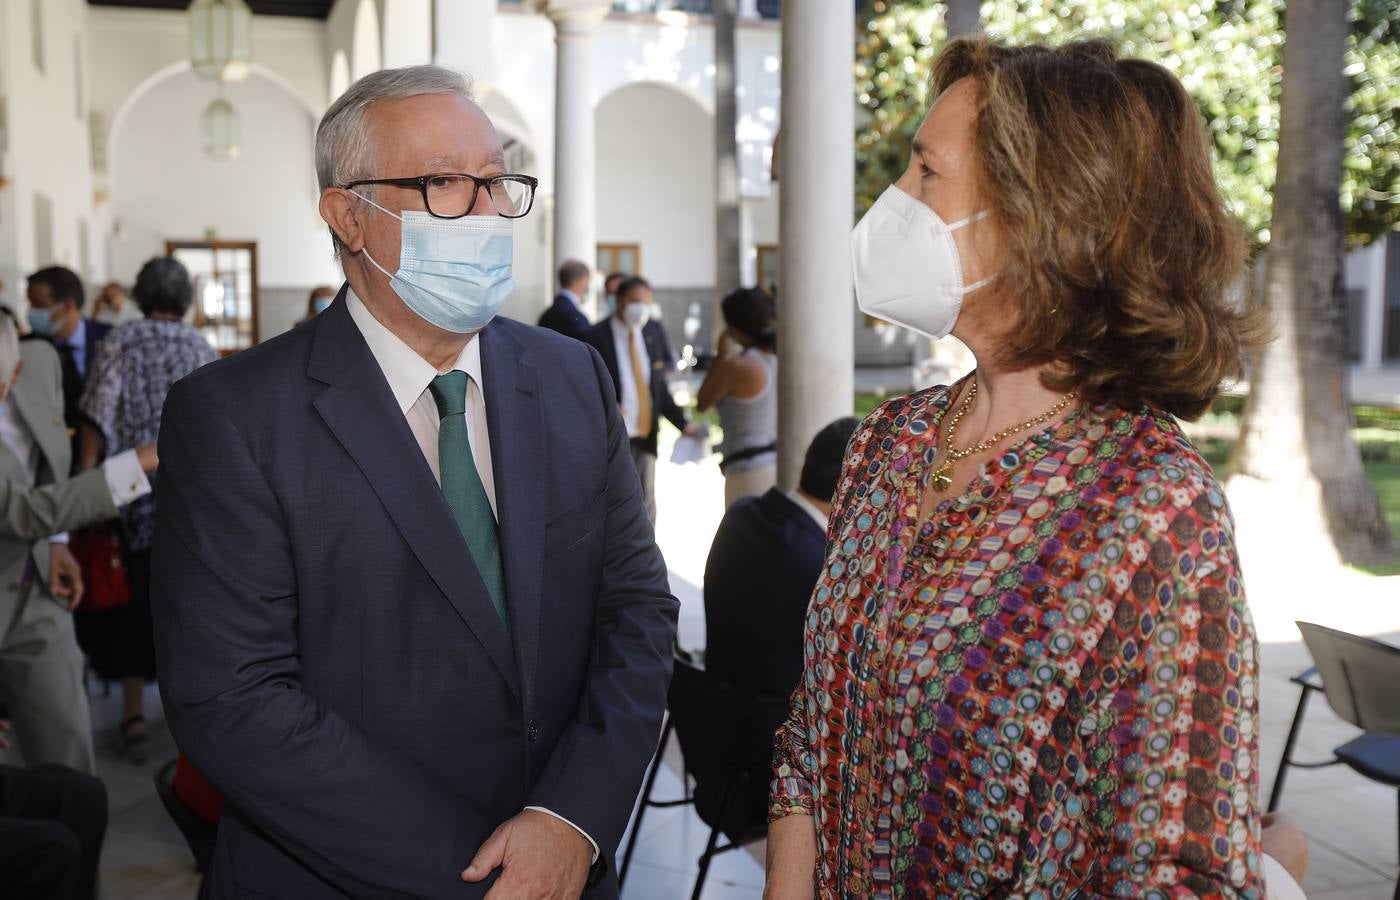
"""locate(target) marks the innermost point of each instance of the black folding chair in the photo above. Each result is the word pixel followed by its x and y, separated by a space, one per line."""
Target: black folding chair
pixel 726 754
pixel 1360 677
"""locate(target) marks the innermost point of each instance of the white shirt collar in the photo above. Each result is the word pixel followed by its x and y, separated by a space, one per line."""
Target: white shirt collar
pixel 574 298
pixel 408 373
pixel 809 508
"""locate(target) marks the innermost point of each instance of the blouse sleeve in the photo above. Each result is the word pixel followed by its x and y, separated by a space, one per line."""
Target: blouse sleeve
pixel 794 777
pixel 1181 813
pixel 104 388
pixel 793 792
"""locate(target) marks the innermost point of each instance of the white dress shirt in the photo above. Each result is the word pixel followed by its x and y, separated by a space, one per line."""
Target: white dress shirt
pixel 409 376
pixel 622 335
pixel 123 472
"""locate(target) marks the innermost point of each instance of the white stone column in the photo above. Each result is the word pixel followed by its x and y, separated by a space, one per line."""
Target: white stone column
pixel 1373 319
pixel 748 9
pixel 815 327
pixel 575 203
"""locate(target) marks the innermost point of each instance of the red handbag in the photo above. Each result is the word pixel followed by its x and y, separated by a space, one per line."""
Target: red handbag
pixel 98 550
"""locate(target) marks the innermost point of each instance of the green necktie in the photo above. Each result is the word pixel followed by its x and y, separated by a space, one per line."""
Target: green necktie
pixel 461 484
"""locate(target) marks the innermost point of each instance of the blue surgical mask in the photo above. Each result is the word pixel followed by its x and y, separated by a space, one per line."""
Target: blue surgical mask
pixel 611 301
pixel 321 305
pixel 454 273
pixel 41 322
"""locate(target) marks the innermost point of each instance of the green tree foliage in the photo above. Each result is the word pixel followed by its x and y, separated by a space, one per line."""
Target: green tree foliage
pixel 1228 53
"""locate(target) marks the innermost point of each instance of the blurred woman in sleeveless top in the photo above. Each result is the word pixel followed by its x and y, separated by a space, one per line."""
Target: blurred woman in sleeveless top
pixel 742 384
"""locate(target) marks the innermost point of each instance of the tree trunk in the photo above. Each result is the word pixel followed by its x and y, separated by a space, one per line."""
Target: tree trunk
pixel 1296 440
pixel 727 228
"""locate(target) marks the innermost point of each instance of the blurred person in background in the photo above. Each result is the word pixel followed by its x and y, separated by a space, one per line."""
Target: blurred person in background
pixel 56 315
pixel 134 369
pixel 637 355
pixel 52 822
pixel 763 564
pixel 1032 617
pixel 320 300
pixel 610 285
pixel 566 315
pixel 113 307
pixel 41 667
pixel 742 383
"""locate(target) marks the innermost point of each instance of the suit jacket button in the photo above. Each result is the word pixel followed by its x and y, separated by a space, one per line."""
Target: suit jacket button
pixel 532 732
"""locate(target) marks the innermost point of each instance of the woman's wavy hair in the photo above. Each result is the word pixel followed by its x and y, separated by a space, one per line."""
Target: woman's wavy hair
pixel 1126 272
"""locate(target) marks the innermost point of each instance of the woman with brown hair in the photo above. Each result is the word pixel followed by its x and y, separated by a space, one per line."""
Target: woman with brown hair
pixel 1030 667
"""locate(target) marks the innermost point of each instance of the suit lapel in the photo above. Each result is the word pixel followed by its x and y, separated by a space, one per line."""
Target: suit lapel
pixel 517 450
pixel 360 410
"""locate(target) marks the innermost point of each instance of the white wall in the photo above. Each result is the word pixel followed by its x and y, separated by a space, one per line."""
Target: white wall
pixel 165 187
pixel 656 182
pixel 48 151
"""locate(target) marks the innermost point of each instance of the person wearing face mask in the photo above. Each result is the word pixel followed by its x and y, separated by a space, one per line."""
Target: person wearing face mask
pixel 410 616
pixel 56 315
pixel 319 301
pixel 637 355
pixel 1030 667
pixel 610 285
pixel 566 315
pixel 41 667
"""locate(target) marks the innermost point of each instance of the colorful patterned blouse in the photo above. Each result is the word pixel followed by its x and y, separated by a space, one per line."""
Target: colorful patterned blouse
pixel 1049 688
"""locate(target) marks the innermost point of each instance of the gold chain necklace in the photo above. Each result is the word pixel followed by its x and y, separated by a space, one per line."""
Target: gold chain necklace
pixel 942 476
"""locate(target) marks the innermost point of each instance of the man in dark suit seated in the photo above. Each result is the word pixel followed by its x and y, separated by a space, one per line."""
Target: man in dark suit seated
pixel 410 617
pixel 56 314
pixel 566 314
pixel 763 565
pixel 52 821
pixel 636 351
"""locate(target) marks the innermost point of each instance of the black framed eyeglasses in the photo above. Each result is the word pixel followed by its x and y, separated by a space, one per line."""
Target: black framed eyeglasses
pixel 451 195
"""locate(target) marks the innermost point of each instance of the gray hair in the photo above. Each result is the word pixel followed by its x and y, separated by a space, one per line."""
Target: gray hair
pixel 343 149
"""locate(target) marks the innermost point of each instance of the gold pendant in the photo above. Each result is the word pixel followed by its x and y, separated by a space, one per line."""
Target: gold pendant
pixel 942 477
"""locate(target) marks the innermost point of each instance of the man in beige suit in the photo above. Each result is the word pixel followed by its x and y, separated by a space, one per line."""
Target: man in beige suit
pixel 41 667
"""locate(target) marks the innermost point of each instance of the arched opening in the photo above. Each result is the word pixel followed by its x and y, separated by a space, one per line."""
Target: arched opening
pixel 340 75
pixel 408 32
pixel 365 55
pixel 266 195
pixel 649 219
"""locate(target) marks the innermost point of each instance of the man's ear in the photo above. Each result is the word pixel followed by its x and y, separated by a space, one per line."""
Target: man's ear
pixel 338 210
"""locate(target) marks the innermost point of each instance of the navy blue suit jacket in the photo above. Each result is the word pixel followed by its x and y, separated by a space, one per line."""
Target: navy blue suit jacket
pixel 763 565
pixel 564 317
pixel 663 359
pixel 329 655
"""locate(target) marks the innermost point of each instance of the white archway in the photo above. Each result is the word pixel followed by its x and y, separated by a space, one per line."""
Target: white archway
pixel 408 32
pixel 178 68
pixel 340 75
pixel 647 132
pixel 366 56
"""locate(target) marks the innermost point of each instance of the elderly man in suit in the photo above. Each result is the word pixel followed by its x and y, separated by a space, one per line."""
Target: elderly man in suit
pixel 41 668
pixel 566 314
pixel 410 616
pixel 638 357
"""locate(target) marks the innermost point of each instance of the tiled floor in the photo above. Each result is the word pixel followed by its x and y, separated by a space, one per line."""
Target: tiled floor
pixel 1350 822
